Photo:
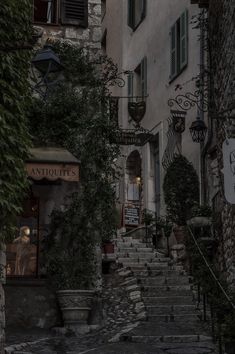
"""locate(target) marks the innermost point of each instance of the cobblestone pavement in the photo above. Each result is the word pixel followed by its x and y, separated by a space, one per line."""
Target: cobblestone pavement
pixel 96 344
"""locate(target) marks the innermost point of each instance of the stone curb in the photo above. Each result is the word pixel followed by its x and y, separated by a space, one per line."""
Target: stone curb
pixel 20 346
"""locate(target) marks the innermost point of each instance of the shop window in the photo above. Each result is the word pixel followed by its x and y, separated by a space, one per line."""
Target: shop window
pixel 22 252
pixel 66 12
pixel 179 45
pixel 136 12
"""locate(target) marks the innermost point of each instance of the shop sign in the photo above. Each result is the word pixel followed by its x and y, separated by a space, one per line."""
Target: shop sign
pixel 229 170
pixel 52 172
pixel 132 215
pixel 131 138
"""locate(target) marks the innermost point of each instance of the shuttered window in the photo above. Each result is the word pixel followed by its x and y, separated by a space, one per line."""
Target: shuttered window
pixel 74 12
pixel 179 45
pixel 136 12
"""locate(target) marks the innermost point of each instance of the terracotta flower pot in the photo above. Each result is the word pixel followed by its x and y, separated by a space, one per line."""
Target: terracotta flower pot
pixel 108 247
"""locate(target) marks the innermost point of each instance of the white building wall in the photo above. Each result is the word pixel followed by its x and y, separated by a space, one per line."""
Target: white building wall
pixel 152 39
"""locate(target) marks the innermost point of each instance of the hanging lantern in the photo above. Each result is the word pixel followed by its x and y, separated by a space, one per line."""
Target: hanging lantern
pixel 46 61
pixel 198 130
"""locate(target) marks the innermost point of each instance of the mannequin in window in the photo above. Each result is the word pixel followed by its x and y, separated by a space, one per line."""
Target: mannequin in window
pixel 22 251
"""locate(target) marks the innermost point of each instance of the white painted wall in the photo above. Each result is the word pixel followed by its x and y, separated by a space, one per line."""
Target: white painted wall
pixel 152 39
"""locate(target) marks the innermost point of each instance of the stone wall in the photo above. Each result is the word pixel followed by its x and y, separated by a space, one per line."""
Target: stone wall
pixel 89 37
pixel 30 305
pixel 222 94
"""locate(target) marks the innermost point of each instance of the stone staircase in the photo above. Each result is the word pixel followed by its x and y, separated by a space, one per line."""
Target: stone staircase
pixel 172 315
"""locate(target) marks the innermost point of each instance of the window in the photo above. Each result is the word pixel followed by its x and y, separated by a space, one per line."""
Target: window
pixel 137 81
pixel 136 12
pixel 45 11
pixel 66 12
pixel 179 45
pixel 22 253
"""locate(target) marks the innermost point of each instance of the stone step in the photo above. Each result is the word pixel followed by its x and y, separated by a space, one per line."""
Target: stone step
pixel 169 300
pixel 171 309
pixel 181 290
pixel 160 272
pixel 133 249
pixel 170 331
pixel 136 255
pixel 143 261
pixel 148 339
pixel 188 317
pixel 162 280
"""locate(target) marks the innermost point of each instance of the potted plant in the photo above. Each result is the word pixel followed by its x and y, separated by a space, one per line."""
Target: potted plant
pixel 181 192
pixel 200 216
pixel 108 234
pixel 71 262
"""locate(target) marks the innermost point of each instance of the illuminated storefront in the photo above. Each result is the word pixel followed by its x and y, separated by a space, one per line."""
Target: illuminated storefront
pixel 54 175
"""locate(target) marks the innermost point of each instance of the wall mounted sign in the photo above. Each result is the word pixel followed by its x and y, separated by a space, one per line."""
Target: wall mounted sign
pixel 52 172
pixel 229 170
pixel 127 137
pixel 131 215
pixel 137 110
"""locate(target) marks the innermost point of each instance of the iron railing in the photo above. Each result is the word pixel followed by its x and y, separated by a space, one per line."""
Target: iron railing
pixel 216 322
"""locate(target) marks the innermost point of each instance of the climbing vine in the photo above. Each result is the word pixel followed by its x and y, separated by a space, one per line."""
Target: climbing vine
pixel 76 115
pixel 15 31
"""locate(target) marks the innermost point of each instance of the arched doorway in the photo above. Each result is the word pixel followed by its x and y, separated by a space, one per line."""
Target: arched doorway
pixel 133 174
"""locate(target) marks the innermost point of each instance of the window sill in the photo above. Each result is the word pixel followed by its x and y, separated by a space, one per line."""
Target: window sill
pixel 46 24
pixel 177 75
pixel 137 26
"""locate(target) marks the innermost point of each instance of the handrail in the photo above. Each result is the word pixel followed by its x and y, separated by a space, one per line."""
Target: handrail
pixel 211 270
pixel 132 231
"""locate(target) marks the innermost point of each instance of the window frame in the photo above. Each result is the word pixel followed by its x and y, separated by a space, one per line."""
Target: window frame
pixel 179 46
pixel 56 23
pixel 131 14
pixel 61 19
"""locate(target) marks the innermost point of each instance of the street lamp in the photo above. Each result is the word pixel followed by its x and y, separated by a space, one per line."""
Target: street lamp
pixel 198 130
pixel 48 66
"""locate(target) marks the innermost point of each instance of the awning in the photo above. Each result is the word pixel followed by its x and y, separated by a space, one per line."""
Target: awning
pixel 52 164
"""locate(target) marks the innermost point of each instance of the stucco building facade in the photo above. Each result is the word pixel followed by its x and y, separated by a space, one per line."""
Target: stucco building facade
pixel 157 41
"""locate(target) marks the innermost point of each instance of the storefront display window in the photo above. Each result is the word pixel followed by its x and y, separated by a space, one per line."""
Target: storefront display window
pixel 22 252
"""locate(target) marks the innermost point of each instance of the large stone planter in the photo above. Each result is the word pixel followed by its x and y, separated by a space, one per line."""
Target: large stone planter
pixel 75 306
pixel 199 221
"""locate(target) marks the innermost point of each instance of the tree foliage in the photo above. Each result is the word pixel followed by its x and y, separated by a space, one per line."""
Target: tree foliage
pixel 181 189
pixel 76 115
pixel 15 30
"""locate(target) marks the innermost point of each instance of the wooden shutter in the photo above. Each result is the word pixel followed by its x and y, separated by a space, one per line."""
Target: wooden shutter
pixel 183 40
pixel 130 80
pixel 130 13
pixel 144 77
pixel 74 12
pixel 173 50
pixel 143 12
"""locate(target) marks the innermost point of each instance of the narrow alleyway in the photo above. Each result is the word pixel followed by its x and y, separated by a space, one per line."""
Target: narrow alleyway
pixel 169 320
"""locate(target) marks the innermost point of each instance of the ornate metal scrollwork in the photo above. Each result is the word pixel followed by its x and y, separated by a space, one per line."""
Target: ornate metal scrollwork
pixel 189 100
